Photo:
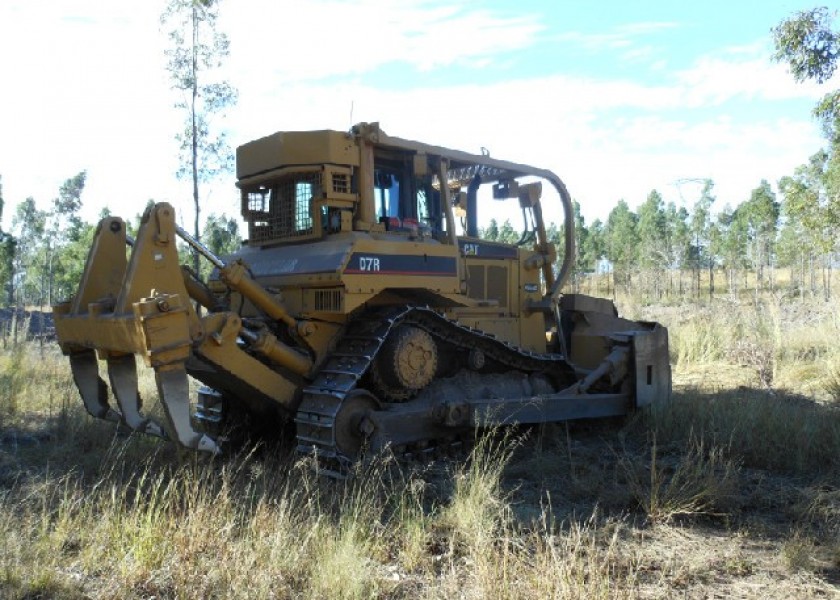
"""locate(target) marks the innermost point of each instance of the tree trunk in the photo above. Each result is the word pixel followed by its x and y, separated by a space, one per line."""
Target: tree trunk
pixel 697 281
pixel 802 278
pixel 711 281
pixel 731 280
pixel 196 227
pixel 195 132
pixel 827 277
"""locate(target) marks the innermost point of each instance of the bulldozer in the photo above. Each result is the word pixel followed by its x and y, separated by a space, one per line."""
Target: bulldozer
pixel 363 312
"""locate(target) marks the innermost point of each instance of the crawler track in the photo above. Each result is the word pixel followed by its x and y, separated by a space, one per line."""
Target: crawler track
pixel 317 419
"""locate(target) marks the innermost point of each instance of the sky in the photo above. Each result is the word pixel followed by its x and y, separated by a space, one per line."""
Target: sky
pixel 618 98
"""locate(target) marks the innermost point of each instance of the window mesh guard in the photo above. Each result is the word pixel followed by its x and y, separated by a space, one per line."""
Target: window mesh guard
pixel 283 210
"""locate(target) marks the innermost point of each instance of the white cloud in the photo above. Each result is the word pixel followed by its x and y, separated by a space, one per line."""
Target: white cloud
pixel 608 140
pixel 83 93
pixel 619 37
pixel 92 94
pixel 715 80
pixel 322 38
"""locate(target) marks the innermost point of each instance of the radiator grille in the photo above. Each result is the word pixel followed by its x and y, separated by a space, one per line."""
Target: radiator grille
pixel 475 281
pixel 497 284
pixel 328 300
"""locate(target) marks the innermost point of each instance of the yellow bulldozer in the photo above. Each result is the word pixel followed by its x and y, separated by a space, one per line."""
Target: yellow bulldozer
pixel 363 308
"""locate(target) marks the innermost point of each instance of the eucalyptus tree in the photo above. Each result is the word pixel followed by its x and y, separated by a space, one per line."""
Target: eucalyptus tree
pixel 584 259
pixel 507 233
pixel 732 225
pixel 652 232
pixel 678 242
pixel 809 42
pixel 595 247
pixel 64 246
pixel 197 50
pixel 700 225
pixel 7 255
pixel 221 235
pixel 491 233
pixel 29 224
pixel 595 243
pixel 622 242
pixel 761 212
pixel 807 211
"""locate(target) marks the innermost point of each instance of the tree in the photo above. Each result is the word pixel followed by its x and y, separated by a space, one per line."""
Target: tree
pixel 653 255
pixel 221 235
pixel 68 204
pixel 7 256
pixel 197 48
pixel 595 247
pixel 30 225
pixel 507 234
pixel 702 254
pixel 64 257
pixel 492 231
pixel 584 261
pixel 732 225
pixel 677 241
pixel 808 217
pixel 621 242
pixel 761 212
pixel 810 46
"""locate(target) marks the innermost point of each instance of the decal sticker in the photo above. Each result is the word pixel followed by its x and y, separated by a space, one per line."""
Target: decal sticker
pixel 485 250
pixel 396 264
pixel 368 263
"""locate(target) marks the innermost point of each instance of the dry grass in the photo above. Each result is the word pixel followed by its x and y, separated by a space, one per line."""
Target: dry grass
pixel 729 490
pixel 695 481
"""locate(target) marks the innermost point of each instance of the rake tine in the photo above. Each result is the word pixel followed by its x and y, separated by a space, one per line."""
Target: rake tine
pixel 122 371
pixel 91 386
pixel 173 387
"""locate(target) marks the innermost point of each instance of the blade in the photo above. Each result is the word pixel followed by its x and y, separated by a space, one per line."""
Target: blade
pixel 92 388
pixel 122 371
pixel 174 389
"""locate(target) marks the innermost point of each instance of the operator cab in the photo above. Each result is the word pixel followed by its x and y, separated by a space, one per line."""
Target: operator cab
pixel 304 186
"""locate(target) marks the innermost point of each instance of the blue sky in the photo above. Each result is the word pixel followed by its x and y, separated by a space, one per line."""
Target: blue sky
pixel 618 98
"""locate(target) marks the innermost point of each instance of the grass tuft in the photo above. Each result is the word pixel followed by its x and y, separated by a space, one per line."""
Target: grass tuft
pixel 699 480
pixel 798 552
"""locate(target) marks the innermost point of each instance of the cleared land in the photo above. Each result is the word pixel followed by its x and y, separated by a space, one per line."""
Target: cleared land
pixel 731 490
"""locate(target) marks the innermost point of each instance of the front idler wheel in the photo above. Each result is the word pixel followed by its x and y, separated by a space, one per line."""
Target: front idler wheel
pixel 351 432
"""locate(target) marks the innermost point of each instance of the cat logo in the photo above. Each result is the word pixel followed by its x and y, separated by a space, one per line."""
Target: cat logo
pixel 470 249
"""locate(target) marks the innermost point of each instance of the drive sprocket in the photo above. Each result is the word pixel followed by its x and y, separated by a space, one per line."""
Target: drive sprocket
pixel 407 363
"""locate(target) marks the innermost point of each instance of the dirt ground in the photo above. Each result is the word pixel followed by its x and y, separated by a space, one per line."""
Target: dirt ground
pixel 772 535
